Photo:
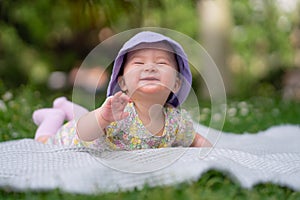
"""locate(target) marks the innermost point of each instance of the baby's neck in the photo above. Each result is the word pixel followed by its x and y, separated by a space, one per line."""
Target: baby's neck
pixel 152 116
pixel 149 110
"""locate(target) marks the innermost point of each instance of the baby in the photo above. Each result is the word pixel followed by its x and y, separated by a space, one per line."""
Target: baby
pixel 151 78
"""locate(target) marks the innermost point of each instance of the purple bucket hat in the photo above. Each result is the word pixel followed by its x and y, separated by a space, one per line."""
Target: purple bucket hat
pixel 152 37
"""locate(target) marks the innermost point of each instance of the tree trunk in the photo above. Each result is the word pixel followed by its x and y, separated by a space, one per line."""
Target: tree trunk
pixel 215 26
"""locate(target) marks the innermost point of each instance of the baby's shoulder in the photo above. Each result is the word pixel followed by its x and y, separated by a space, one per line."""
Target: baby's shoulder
pixel 180 111
pixel 180 114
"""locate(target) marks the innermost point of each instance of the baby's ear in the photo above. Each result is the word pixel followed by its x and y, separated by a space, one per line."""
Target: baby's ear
pixel 121 83
pixel 177 85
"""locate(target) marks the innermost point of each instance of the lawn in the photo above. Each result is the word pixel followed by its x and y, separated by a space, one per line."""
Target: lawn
pixel 243 115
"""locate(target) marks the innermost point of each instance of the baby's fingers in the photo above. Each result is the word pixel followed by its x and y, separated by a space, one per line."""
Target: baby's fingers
pixel 120 99
pixel 118 104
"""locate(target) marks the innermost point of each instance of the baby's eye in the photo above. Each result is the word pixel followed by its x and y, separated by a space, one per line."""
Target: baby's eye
pixel 162 63
pixel 138 63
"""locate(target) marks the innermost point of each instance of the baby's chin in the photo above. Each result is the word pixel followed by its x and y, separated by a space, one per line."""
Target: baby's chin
pixel 153 89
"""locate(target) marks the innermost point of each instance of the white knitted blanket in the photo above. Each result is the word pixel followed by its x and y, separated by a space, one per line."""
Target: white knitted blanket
pixel 268 156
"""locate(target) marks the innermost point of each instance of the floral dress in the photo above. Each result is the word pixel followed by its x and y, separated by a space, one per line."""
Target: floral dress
pixel 131 134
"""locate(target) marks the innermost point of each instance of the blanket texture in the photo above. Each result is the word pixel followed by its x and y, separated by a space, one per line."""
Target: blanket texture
pixel 272 155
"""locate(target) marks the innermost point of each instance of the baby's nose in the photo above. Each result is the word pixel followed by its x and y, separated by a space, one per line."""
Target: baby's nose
pixel 150 67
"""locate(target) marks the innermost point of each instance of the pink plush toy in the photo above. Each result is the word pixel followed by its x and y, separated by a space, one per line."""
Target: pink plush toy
pixel 49 120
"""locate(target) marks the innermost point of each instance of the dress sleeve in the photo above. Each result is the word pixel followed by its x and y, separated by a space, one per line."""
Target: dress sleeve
pixel 185 132
pixel 98 144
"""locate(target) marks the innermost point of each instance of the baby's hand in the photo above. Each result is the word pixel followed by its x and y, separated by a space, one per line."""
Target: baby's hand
pixel 113 108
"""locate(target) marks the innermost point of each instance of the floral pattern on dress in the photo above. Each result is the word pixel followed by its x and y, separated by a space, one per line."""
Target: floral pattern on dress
pixel 131 134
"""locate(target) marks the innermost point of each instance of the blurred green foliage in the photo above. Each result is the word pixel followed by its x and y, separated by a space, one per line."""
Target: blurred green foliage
pixel 260 42
pixel 42 36
pixel 38 37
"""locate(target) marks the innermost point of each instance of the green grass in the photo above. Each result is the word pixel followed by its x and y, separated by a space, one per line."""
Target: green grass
pixel 255 114
pixel 250 115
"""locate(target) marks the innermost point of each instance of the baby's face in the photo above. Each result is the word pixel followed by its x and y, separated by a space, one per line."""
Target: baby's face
pixel 150 71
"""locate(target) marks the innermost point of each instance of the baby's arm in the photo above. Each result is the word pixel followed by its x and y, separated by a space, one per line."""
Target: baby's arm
pixel 200 141
pixel 91 126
